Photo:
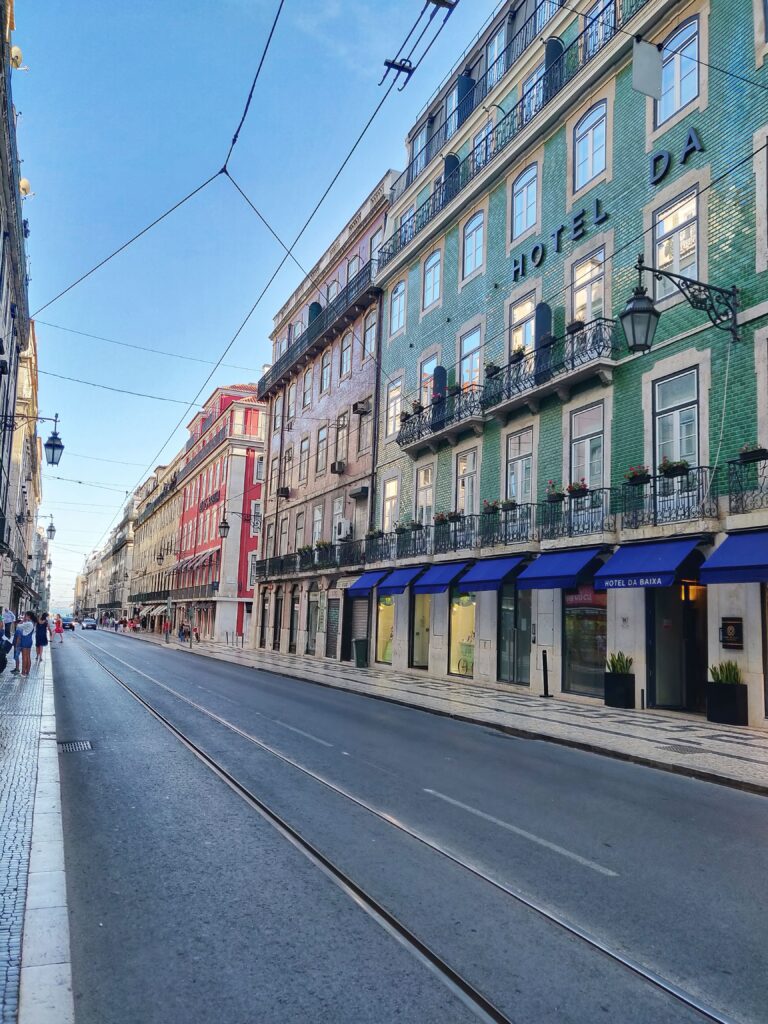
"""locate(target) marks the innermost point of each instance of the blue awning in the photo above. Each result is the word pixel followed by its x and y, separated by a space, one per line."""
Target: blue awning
pixel 365 584
pixel 741 558
pixel 558 570
pixel 398 580
pixel 652 564
pixel 489 574
pixel 438 578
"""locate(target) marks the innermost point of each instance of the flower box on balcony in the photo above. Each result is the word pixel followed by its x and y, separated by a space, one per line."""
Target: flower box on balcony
pixel 454 390
pixel 555 499
pixel 400 530
pixel 490 508
pixel 440 518
pixel 517 356
pixel 492 370
pixel 416 526
pixel 574 327
pixel 374 534
pixel 637 476
pixel 753 455
pixel 417 407
pixel 404 417
pixel 673 469
pixel 507 505
pixel 455 517
pixel 578 492
pixel 436 398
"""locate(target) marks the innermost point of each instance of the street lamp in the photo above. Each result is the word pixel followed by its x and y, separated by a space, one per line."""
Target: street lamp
pixel 641 318
pixel 160 558
pixel 224 528
pixel 51 531
pixel 54 446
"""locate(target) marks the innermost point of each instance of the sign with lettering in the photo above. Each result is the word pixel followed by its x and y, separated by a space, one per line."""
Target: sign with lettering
pixel 732 634
pixel 212 499
pixel 573 230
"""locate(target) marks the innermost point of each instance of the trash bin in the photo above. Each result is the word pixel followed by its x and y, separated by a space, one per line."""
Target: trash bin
pixel 361 652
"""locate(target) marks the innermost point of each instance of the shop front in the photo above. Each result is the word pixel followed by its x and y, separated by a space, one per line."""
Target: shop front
pixel 394 585
pixel 358 616
pixel 441 579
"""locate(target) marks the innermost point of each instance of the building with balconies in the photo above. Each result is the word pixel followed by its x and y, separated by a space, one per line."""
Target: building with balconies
pixel 544 496
pixel 321 391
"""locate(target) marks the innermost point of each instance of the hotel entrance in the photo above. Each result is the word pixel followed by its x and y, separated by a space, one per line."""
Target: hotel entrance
pixel 514 643
pixel 677 647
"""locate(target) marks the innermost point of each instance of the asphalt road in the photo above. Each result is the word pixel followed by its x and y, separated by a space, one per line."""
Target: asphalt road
pixel 187 906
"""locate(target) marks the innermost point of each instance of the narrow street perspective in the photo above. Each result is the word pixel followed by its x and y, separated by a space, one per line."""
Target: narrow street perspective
pixel 384 512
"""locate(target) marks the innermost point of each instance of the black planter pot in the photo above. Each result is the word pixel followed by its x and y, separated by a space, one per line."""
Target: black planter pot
pixel 640 480
pixel 581 493
pixel 555 499
pixel 619 689
pixel 674 471
pixel 727 703
pixel 758 455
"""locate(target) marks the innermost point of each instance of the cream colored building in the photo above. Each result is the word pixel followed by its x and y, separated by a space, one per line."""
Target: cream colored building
pixel 156 536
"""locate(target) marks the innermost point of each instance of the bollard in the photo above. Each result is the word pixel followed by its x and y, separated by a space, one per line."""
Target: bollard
pixel 642 700
pixel 545 671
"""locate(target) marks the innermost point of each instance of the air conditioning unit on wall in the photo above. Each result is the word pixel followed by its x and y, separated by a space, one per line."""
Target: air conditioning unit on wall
pixel 338 468
pixel 343 529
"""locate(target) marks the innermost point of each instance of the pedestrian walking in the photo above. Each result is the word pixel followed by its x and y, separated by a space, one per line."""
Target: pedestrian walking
pixel 58 629
pixel 9 622
pixel 42 635
pixel 166 630
pixel 23 639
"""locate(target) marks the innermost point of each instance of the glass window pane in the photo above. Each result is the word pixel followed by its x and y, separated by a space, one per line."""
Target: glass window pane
pixel 677 390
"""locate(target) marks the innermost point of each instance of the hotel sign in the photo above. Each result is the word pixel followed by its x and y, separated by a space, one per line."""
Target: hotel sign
pixel 628 582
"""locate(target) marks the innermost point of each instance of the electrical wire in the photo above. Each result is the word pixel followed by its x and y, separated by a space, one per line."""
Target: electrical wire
pixel 86 483
pixel 95 458
pixel 120 391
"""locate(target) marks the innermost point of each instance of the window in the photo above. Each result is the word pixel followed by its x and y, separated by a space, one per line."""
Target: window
pixel 675 232
pixel 544 12
pixel 238 421
pixel 287 464
pixel 587 446
pixel 255 518
pixel 270 548
pixel 397 308
pixel 278 418
pixel 494 58
pixel 317 523
pixel 322 450
pixel 333 290
pixel 394 405
pixel 389 506
pixel 533 93
pixel 273 482
pixel 461 633
pixel 369 335
pixel 473 243
pixel 258 470
pixel 345 357
pixel 431 280
pixel 452 111
pixel 253 558
pixel 677 418
pixel 469 361
pixel 376 239
pixel 419 151
pixel 599 25
pixel 521 323
pixel 303 459
pixel 306 393
pixel 298 532
pixel 524 201
pixel 407 221
pixel 427 379
pixel 466 482
pixel 424 494
pixel 325 372
pixel 336 516
pixel 353 268
pixel 481 146
pixel 587 282
pixel 365 429
pixel 292 400
pixel 589 145
pixel 679 71
pixel 342 437
pixel 519 466
pixel 283 536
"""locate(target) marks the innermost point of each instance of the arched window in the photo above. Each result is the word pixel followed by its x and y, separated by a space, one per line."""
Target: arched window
pixel 397 308
pixel 474 230
pixel 524 200
pixel 345 362
pixel 679 71
pixel 325 371
pixel 432 279
pixel 589 145
pixel 369 337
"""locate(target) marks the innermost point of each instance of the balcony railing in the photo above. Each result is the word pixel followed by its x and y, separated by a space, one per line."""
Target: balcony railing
pixel 576 356
pixel 218 438
pixel 168 488
pixel 448 415
pixel 557 76
pixel 748 484
pixel 671 499
pixel 592 513
pixel 360 287
pixel 201 590
pixel 149 597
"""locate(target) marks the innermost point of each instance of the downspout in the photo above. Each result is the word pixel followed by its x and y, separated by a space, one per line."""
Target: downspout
pixel 375 413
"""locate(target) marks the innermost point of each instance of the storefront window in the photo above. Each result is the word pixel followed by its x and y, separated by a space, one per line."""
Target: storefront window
pixel 585 631
pixel 461 641
pixel 422 607
pixel 385 630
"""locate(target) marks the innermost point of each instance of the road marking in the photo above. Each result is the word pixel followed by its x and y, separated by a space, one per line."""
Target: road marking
pixel 525 835
pixel 301 732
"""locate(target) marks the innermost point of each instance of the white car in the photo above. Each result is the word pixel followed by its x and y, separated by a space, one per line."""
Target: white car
pixel 89 623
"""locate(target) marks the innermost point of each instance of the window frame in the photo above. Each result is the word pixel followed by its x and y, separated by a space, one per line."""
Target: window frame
pixel 397 294
pixel 393 407
pixel 518 460
pixel 468 231
pixel 345 349
pixel 473 475
pixel 579 134
pixel 533 169
pixel 589 281
pixel 370 324
pixel 321 450
pixel 676 58
pixel 390 504
pixel 434 260
pixel 585 438
pixel 342 435
pixel 304 457
pixel 692 192
pixel 325 370
pixel 524 322
pixel 657 413
pixel 306 393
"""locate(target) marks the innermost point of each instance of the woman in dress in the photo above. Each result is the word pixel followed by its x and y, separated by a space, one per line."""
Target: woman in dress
pixel 42 634
pixel 58 629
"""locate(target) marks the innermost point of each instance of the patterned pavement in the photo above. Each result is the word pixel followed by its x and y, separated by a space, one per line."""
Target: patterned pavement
pixel 20 717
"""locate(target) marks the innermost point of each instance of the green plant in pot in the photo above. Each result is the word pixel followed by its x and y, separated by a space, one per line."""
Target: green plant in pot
pixel 727 695
pixel 619 681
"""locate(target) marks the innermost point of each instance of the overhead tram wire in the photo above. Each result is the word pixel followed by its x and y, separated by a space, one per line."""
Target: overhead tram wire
pixel 120 391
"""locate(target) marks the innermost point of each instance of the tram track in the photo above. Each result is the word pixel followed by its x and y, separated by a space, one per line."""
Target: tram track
pixel 461 987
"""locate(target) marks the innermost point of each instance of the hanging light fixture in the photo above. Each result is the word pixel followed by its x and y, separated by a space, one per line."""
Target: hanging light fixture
pixel 160 558
pixel 54 446
pixel 224 528
pixel 51 531
pixel 640 320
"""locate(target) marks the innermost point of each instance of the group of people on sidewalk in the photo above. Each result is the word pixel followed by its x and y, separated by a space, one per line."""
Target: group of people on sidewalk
pixel 122 625
pixel 20 635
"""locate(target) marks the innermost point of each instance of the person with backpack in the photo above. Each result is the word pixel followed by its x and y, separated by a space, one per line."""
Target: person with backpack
pixel 23 639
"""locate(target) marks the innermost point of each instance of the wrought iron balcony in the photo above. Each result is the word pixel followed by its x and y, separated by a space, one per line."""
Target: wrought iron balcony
pixel 688 497
pixel 443 420
pixel 150 596
pixel 202 590
pixel 748 483
pixel 346 307
pixel 213 442
pixel 554 368
pixel 561 72
pixel 579 516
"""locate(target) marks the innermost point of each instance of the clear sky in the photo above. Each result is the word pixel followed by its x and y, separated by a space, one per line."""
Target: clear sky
pixel 126 108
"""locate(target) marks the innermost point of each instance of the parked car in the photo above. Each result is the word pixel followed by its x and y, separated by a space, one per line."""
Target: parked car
pixel 89 623
pixel 68 622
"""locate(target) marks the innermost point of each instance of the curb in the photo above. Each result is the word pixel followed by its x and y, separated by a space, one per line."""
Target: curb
pixel 46 970
pixel 700 774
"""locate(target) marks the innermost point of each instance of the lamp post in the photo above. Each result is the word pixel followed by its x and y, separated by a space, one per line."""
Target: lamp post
pixel 641 318
pixel 53 446
pixel 51 531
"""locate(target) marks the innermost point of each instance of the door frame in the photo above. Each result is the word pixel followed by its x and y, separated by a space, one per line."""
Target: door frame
pixel 411 622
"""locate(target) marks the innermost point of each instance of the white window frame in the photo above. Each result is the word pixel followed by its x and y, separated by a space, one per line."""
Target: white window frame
pixel 588 129
pixel 522 324
pixel 519 468
pixel 525 185
pixel 431 292
pixel 390 500
pixel 678 67
pixel 326 374
pixel 424 510
pixel 467 483
pixel 322 449
pixel 345 350
pixel 369 335
pixel 305 446
pixel 664 288
pixel 473 243
pixel 255 524
pixel 586 286
pixel 470 357
pixel 397 309
pixel 306 392
pixel 582 449
pixel 675 412
pixel 394 406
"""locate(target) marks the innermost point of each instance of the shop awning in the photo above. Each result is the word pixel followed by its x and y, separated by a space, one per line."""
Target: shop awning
pixel 559 570
pixel 652 564
pixel 438 578
pixel 398 580
pixel 741 558
pixel 490 574
pixel 363 586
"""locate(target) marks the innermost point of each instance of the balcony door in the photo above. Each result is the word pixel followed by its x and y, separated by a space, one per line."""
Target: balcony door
pixel 676 429
pixel 469 361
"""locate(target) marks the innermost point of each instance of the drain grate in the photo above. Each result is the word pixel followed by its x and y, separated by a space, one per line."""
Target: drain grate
pixel 72 746
pixel 681 748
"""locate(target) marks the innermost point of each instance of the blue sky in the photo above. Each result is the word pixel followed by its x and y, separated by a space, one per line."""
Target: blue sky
pixel 125 108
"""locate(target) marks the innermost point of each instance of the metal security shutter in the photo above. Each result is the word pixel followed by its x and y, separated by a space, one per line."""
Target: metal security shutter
pixel 332 628
pixel 360 608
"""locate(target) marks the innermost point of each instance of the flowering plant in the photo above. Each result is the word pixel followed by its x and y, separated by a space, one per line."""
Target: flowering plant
pixel 490 506
pixel 440 517
pixel 577 486
pixel 553 488
pixel 751 446
pixel 669 466
pixel 636 471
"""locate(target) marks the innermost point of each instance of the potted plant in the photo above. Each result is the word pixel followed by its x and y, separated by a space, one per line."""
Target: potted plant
pixel 416 525
pixel 670 468
pixel 401 528
pixel 323 545
pixel 417 407
pixel 636 476
pixel 574 327
pixel 491 370
pixel 453 390
pixel 455 517
pixel 436 397
pixel 508 504
pixel 490 508
pixel 439 518
pixel 555 492
pixel 753 452
pixel 619 682
pixel 578 489
pixel 374 534
pixel 727 695
pixel 404 417
pixel 517 355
